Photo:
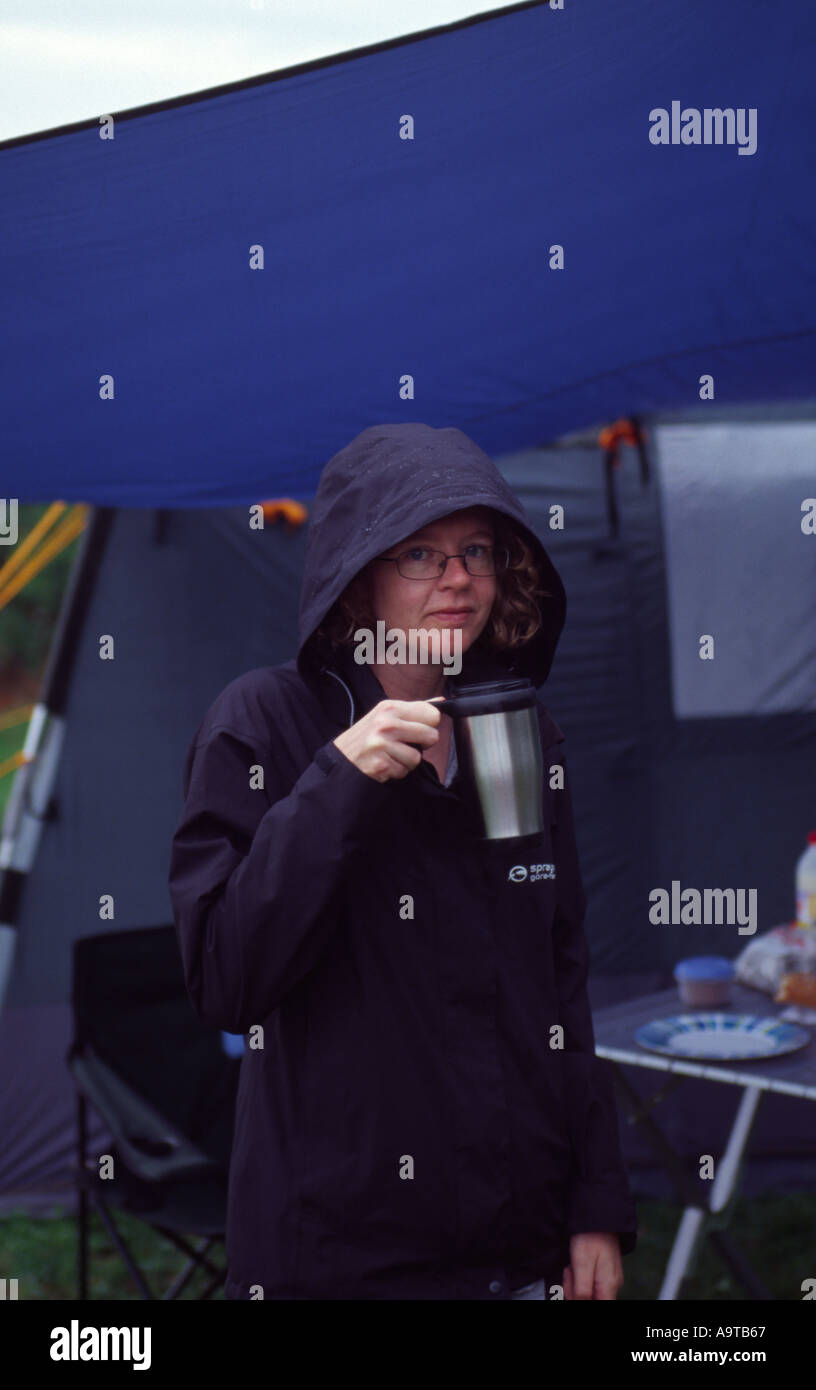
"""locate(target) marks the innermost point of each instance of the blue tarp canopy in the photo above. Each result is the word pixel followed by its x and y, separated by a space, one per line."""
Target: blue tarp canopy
pixel 394 265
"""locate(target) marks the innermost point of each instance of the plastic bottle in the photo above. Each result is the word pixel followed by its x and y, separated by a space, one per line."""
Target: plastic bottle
pixel 806 885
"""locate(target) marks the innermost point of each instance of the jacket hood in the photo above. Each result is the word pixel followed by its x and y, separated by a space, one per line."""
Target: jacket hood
pixel 387 483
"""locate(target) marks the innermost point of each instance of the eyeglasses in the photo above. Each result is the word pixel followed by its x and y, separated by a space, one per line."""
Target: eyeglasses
pixel 421 563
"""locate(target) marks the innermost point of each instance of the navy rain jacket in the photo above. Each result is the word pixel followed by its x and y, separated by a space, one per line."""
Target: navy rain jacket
pixel 406 1130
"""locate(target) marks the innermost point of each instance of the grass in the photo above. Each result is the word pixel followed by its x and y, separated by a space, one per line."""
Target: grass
pixel 40 1252
pixel 777 1236
pixel 775 1233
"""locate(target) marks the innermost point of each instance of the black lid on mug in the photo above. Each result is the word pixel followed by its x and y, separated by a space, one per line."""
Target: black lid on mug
pixel 489 697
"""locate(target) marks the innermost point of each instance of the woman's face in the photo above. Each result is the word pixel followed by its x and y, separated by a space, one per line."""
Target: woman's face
pixel 432 603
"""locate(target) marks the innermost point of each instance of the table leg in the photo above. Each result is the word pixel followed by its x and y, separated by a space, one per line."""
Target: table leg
pixel 695 1218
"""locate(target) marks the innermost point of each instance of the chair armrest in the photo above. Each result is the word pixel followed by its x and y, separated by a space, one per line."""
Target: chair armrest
pixel 151 1146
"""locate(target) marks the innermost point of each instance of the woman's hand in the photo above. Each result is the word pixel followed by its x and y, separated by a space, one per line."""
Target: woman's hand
pixel 380 743
pixel 595 1269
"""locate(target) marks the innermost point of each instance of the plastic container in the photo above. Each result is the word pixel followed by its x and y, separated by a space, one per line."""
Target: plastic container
pixel 806 885
pixel 704 982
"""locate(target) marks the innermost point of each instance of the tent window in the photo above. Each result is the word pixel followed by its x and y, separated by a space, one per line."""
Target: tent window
pixel 738 565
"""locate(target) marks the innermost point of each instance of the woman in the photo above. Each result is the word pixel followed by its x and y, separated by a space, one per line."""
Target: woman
pixel 420 1112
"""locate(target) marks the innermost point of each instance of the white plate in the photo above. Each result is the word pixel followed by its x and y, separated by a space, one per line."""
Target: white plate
pixel 721 1037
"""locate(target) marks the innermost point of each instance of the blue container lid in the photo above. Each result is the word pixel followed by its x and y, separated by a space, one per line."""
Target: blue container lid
pixel 704 968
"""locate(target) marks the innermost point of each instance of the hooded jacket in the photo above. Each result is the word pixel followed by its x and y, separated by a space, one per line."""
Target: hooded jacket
pixel 405 1127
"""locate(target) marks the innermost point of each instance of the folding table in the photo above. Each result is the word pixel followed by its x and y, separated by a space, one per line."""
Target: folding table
pixel 792 1074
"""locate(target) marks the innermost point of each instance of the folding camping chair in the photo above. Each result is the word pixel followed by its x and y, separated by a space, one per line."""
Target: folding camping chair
pixel 165 1088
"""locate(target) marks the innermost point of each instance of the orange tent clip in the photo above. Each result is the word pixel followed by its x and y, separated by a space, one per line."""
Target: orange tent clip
pixel 622 432
pixel 284 509
pixel 611 439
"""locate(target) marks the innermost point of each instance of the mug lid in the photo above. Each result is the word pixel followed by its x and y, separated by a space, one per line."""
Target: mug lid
pixel 489 697
pixel 488 687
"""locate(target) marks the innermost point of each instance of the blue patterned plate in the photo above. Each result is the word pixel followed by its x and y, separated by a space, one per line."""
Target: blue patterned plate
pixel 720 1037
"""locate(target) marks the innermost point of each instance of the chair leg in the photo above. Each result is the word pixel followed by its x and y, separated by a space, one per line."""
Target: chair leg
pixel 82 1202
pixel 197 1259
pixel 122 1247
pixel 88 1200
pixel 217 1283
pixel 186 1248
pixel 195 1262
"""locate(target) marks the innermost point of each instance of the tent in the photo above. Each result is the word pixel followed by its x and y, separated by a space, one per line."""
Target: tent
pixel 468 226
pixel 410 205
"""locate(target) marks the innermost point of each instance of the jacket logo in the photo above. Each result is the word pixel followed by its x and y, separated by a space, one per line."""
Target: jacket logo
pixel 519 873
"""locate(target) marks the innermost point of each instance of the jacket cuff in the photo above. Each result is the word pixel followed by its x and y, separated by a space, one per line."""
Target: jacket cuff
pixel 603 1205
pixel 361 794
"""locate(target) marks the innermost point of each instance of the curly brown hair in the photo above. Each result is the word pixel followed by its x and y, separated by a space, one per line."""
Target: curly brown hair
pixel 514 618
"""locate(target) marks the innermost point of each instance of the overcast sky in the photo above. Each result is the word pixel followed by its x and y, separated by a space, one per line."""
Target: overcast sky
pixel 67 60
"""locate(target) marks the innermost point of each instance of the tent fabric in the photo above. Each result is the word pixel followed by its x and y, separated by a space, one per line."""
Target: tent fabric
pixel 755 599
pixel 428 258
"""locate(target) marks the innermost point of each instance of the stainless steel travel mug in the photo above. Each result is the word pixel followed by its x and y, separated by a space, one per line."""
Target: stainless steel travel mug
pixel 498 746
